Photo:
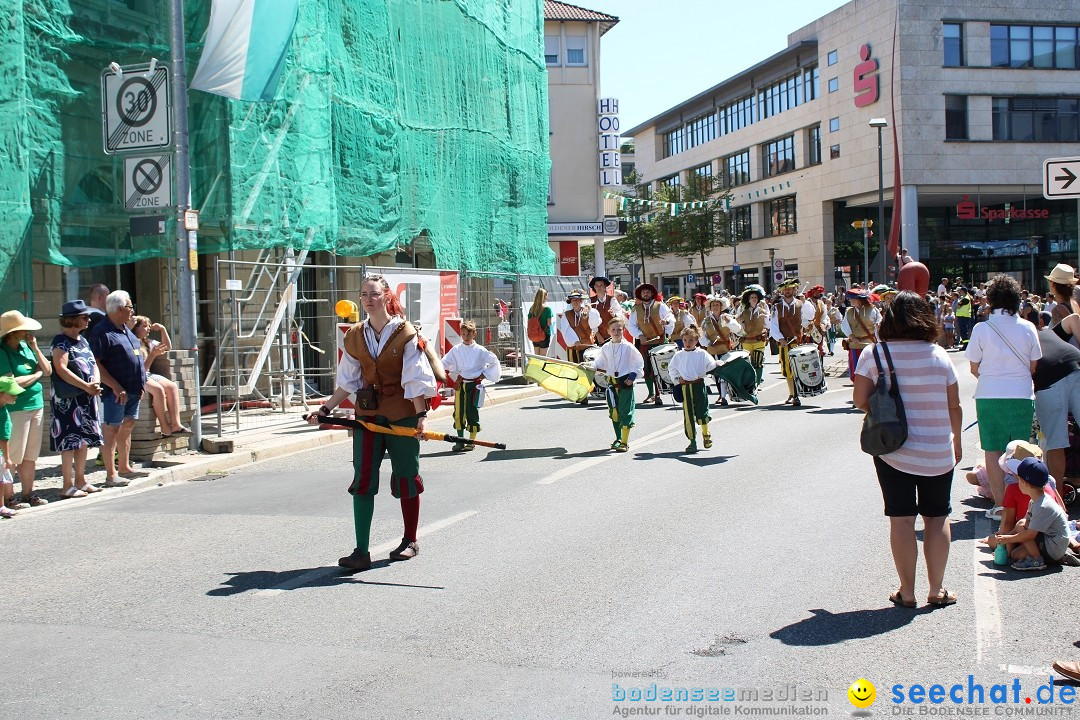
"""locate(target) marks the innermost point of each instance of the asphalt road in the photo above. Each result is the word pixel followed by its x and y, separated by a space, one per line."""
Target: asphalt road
pixel 548 574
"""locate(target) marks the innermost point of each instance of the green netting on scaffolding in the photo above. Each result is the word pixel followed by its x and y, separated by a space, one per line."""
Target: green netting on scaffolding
pixel 394 119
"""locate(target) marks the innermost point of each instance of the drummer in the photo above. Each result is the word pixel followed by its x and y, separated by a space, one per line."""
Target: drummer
pixel 650 322
pixel 606 305
pixel 578 325
pixel 787 326
pixel 753 315
pixel 719 329
pixel 701 307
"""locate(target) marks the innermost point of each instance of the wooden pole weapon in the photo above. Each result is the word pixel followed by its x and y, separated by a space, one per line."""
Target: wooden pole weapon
pixel 402 431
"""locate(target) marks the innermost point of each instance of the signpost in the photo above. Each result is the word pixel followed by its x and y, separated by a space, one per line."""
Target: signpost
pixel 865 226
pixel 778 271
pixel 135 108
pixel 1060 182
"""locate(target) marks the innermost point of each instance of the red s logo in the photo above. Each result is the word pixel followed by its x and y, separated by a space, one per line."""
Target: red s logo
pixel 867 88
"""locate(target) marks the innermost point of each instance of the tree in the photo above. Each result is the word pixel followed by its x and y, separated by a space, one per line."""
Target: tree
pixel 642 239
pixel 701 223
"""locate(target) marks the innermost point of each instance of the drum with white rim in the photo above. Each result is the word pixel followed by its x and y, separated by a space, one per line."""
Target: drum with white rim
pixel 588 359
pixel 807 369
pixel 660 357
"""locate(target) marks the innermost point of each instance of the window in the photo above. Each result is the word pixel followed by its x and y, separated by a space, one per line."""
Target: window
pixel 1038 46
pixel 736 115
pixel 736 168
pixel 672 181
pixel 551 49
pixel 739 223
pixel 696 132
pixel 834 152
pixel 778 97
pixel 832 57
pixel 956 117
pixel 703 171
pixel 813 145
pixel 811 76
pixel 778 156
pixel 780 216
pixel 575 51
pixel 834 84
pixel 1036 119
pixel 834 124
pixel 953 40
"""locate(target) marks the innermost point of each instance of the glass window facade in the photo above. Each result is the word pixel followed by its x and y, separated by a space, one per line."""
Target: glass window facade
pixel 956 121
pixel 575 51
pixel 813 145
pixel 832 57
pixel 698 131
pixel 703 171
pixel 736 169
pixel 739 223
pixel 552 46
pixel 1036 119
pixel 778 156
pixel 952 35
pixel 1038 46
pixel 834 84
pixel 834 124
pixel 780 216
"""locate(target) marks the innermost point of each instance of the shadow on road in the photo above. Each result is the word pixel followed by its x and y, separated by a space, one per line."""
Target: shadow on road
pixel 826 628
pixel 837 411
pixel 972 526
pixel 523 454
pixel 697 460
pixel 269 579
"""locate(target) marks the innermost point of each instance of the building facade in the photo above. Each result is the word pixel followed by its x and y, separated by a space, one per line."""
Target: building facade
pixel 575 197
pixel 974 98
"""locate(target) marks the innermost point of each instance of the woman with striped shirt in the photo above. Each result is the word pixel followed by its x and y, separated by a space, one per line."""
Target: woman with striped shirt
pixel 917 478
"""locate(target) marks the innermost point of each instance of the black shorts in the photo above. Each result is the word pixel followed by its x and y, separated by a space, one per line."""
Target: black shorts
pixel 1040 542
pixel 542 345
pixel 906 495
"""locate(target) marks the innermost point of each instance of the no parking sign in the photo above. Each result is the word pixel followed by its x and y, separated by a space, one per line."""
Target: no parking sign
pixel 778 270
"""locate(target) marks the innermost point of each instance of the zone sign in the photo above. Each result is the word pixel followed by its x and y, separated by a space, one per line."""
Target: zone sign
pixel 135 109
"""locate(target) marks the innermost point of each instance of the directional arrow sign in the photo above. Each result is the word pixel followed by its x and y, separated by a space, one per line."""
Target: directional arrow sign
pixel 1060 178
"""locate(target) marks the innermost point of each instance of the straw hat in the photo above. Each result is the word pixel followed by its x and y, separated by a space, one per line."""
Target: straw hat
pixel 1062 275
pixel 725 303
pixel 14 320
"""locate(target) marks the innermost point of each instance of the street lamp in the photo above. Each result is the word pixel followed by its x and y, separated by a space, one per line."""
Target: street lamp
pixel 1033 245
pixel 880 123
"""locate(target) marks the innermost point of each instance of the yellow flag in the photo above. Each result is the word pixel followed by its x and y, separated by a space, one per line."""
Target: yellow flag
pixel 563 378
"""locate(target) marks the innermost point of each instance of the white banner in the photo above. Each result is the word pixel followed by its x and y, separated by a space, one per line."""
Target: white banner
pixel 428 299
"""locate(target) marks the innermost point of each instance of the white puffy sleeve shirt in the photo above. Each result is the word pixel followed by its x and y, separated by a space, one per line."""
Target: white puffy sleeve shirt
pixel 417 377
pixel 471 362
pixel 690 365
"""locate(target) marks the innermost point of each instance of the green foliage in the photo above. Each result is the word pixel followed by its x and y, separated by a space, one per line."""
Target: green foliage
pixel 696 231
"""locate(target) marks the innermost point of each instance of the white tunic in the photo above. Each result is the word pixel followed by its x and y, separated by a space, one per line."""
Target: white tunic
pixel 471 362
pixel 666 317
pixel 417 378
pixel 690 365
pixel 620 358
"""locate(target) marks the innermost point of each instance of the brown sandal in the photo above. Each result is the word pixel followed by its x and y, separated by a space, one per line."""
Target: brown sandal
pixel 945 598
pixel 898 600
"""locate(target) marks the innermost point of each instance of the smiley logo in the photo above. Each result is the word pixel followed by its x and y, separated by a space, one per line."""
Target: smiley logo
pixel 862 693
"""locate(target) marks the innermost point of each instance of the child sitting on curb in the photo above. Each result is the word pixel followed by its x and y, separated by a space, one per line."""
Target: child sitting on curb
pixel 467 365
pixel 8 390
pixel 1043 535
pixel 688 368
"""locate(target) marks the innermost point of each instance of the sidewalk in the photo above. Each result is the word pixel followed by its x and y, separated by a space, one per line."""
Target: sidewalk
pixel 249 447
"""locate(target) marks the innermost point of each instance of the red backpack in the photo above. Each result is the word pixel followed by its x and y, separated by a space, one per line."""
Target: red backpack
pixel 535 332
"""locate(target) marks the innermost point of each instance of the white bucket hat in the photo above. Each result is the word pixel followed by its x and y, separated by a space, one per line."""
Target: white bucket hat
pixel 1062 274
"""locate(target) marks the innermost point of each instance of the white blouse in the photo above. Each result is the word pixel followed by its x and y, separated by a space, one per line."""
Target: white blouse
pixel 620 358
pixel 417 378
pixel 470 362
pixel 690 365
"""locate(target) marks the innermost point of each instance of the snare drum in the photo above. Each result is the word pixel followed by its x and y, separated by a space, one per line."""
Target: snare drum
pixel 589 358
pixel 660 357
pixel 806 367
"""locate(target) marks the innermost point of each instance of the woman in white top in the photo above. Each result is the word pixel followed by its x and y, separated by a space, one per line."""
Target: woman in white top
pixel 1003 352
pixel 917 478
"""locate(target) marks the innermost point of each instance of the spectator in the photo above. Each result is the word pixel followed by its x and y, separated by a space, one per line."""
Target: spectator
pixel 903 258
pixel 943 288
pixel 1062 279
pixel 164 393
pixel 543 315
pixel 948 325
pixel 1043 535
pixel 1003 353
pixel 965 315
pixel 123 374
pixel 917 478
pixel 75 425
pixel 9 389
pixel 96 298
pixel 21 358
pixel 1057 393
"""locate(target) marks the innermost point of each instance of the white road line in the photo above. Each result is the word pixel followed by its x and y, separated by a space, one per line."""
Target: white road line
pixel 662 434
pixel 386 547
pixel 988 632
pixel 1027 670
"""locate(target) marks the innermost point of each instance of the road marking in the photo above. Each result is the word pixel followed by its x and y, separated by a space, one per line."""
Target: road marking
pixel 1027 670
pixel 386 547
pixel 988 632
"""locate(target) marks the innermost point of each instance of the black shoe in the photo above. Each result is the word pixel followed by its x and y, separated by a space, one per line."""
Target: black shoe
pixel 658 400
pixel 405 551
pixel 796 402
pixel 358 561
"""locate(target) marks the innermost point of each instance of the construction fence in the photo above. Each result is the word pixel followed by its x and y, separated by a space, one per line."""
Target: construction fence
pixel 276 334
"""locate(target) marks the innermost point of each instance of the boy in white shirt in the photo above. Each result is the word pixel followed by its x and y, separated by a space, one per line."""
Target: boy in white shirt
pixel 688 368
pixel 468 365
pixel 622 364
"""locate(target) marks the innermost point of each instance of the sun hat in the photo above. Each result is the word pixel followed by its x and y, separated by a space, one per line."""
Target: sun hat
pixel 725 302
pixel 9 386
pixel 645 286
pixel 13 320
pixel 815 291
pixel 858 294
pixel 1015 452
pixel 575 295
pixel 600 278
pixel 1062 274
pixel 75 307
pixel 790 282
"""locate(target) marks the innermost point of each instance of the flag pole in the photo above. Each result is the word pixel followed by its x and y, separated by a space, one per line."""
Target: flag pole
pixel 186 240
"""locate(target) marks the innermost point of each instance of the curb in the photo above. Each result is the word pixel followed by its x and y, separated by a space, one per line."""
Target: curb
pixel 214 464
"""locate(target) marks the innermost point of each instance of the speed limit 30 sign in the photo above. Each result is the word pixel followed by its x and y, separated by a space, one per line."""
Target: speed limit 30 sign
pixel 135 109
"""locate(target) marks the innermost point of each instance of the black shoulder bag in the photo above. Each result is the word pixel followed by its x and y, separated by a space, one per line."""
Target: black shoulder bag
pixel 885 428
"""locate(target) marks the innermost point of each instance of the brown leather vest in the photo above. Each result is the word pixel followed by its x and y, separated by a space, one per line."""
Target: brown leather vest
pixel 859 337
pixel 604 308
pixel 753 324
pixel 714 329
pixel 699 314
pixel 383 372
pixel 581 327
pixel 790 322
pixel 654 327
